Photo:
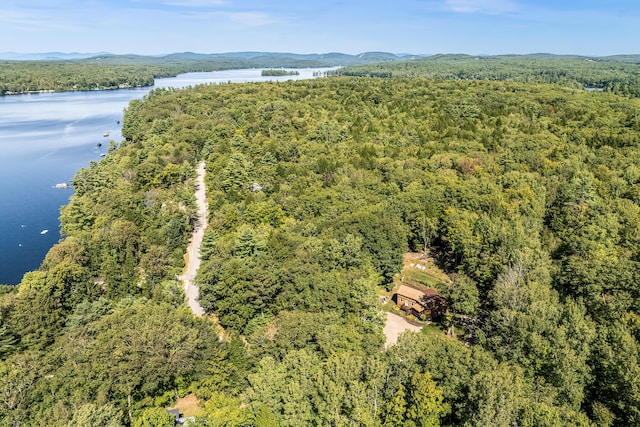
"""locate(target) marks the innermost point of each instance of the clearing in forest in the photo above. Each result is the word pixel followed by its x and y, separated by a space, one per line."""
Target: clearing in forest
pixel 419 271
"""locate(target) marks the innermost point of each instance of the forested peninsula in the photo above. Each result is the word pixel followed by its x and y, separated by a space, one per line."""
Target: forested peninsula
pixel 525 195
pixel 279 72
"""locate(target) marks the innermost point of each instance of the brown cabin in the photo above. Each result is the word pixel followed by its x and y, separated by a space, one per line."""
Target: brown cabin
pixel 427 302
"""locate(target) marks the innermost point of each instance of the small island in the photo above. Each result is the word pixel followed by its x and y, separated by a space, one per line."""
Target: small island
pixel 272 72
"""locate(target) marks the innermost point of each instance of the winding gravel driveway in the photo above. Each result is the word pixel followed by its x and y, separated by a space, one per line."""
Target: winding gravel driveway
pixel 193 250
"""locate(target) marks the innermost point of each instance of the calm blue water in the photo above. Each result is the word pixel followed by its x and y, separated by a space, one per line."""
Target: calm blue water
pixel 44 139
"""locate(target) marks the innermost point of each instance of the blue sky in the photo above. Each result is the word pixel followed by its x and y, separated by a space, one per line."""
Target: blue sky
pixel 584 27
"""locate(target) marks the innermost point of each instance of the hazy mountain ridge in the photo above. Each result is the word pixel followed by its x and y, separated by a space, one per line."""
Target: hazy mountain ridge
pixel 263 58
pixel 289 59
pixel 47 56
pixel 314 59
pixel 464 56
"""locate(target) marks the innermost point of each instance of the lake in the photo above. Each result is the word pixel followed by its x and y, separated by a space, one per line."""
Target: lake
pixel 46 138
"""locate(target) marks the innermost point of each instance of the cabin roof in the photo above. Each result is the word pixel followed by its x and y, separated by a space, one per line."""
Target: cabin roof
pixel 415 294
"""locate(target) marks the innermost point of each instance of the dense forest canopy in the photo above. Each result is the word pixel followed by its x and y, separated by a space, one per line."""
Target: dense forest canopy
pixel 526 194
pixel 617 74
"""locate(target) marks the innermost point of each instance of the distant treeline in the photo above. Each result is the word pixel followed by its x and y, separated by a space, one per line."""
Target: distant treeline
pixel 34 76
pixel 102 73
pixel 121 71
pixel 619 75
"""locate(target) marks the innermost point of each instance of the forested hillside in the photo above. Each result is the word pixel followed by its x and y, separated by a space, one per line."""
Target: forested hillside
pixel 527 195
pixel 617 74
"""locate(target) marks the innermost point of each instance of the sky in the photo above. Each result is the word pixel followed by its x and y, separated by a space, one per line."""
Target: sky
pixel 585 27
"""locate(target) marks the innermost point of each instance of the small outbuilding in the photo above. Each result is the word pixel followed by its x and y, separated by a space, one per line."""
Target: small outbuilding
pixel 421 302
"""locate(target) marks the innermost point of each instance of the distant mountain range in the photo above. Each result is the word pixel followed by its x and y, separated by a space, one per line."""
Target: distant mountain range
pixel 332 58
pixel 276 58
pixel 47 56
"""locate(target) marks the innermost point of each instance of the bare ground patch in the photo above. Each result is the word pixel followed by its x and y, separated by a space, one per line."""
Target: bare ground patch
pixel 394 326
pixel 189 406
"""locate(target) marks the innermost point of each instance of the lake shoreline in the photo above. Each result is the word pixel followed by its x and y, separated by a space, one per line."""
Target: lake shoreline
pixel 36 92
pixel 46 138
pixel 128 86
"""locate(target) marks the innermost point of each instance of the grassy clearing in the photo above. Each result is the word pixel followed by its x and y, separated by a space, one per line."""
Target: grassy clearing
pixel 419 271
pixel 420 279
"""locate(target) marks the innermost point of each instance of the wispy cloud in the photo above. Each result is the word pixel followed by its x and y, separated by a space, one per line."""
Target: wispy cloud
pixel 33 22
pixel 242 19
pixel 18 19
pixel 250 19
pixel 490 7
pixel 195 4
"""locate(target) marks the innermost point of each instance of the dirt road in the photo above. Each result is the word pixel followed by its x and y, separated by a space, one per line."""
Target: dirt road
pixel 193 250
pixel 394 326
